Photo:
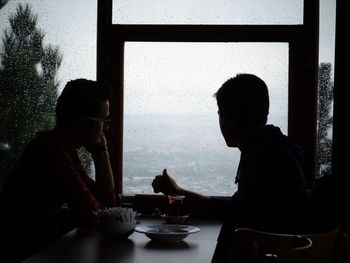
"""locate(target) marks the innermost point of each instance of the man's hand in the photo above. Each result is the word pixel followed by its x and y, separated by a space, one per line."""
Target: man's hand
pixel 165 184
pixel 193 203
pixel 99 146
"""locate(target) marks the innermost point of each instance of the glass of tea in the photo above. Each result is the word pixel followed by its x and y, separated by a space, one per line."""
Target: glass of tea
pixel 175 204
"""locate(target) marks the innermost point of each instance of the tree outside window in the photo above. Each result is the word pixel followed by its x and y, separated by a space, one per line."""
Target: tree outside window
pixel 325 121
pixel 28 84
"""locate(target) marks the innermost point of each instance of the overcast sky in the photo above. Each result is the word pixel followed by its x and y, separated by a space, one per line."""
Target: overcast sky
pixel 72 26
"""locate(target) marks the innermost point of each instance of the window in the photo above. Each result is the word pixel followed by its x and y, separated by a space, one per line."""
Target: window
pixel 121 25
pixel 69 33
pixel 326 83
pixel 77 41
pixel 207 12
pixel 170 115
pixel 148 38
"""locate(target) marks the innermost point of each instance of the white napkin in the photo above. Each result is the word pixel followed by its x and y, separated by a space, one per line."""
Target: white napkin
pixel 116 214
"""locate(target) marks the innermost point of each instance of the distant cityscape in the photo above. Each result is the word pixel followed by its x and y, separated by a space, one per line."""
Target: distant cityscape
pixel 190 147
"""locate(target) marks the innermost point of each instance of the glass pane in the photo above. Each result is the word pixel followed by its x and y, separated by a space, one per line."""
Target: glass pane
pixel 70 25
pixel 68 31
pixel 326 79
pixel 207 12
pixel 171 116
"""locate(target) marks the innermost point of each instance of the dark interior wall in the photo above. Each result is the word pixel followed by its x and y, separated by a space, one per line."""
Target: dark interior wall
pixel 341 127
pixel 341 131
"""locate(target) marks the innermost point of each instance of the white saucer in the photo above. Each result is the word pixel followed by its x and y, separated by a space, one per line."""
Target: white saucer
pixel 167 232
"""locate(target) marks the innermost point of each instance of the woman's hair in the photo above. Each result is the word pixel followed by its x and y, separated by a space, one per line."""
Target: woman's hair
pixel 80 98
pixel 246 97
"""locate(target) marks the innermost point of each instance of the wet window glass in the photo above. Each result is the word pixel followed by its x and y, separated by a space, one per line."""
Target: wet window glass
pixel 43 45
pixel 170 114
pixel 207 12
pixel 326 80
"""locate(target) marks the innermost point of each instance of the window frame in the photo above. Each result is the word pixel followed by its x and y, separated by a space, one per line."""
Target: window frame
pixel 302 68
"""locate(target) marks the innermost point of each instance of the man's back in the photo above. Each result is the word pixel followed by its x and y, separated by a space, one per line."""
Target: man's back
pixel 272 189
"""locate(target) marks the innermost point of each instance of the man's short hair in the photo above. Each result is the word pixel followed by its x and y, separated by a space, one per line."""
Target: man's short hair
pixel 246 97
pixel 80 98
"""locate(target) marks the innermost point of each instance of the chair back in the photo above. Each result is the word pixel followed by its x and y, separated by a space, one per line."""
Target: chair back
pixel 328 247
pixel 258 246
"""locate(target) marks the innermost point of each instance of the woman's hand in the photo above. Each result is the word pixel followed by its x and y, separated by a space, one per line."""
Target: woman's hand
pixel 165 184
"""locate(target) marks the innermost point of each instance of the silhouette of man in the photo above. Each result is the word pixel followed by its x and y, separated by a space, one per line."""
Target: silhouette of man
pixel 271 193
pixel 48 175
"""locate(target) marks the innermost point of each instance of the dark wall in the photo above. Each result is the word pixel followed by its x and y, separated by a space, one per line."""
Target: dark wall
pixel 341 130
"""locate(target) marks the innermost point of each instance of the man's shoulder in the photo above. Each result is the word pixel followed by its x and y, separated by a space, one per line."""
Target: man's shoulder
pixel 271 141
pixel 275 152
pixel 268 147
pixel 46 137
pixel 45 141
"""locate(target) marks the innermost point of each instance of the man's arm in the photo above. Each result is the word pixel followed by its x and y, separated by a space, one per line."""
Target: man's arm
pixel 193 202
pixel 103 170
